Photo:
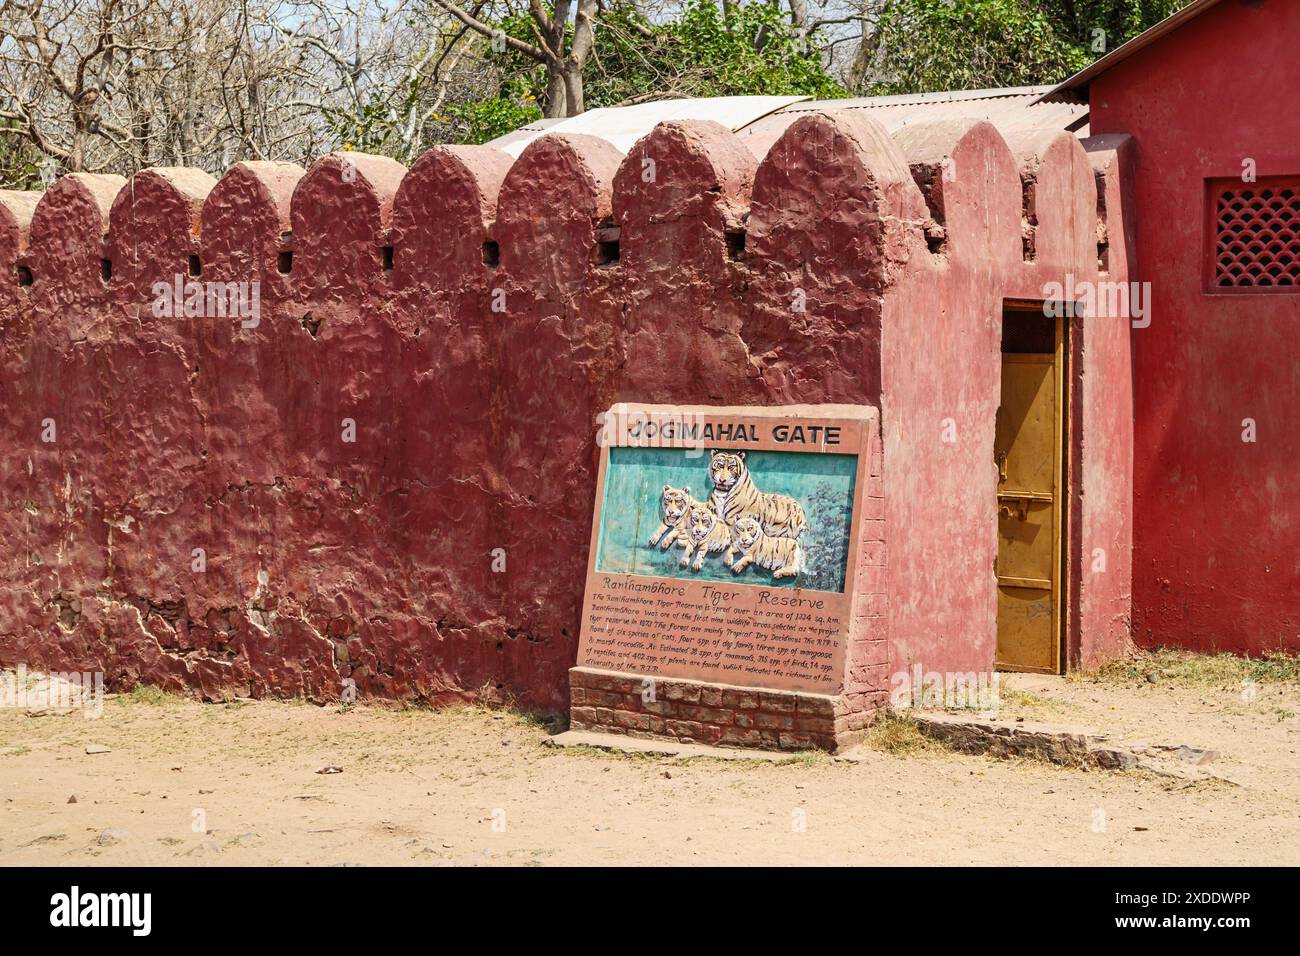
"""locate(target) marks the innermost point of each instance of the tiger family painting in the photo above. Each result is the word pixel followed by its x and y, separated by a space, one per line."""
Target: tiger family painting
pixel 769 517
pixel 747 524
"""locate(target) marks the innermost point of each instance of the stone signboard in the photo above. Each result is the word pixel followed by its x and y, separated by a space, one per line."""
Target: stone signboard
pixel 724 544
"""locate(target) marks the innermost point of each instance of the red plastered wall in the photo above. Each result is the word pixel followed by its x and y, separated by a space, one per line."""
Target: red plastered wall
pixel 390 471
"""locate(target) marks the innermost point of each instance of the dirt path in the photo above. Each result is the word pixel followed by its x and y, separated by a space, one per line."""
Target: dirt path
pixel 475 787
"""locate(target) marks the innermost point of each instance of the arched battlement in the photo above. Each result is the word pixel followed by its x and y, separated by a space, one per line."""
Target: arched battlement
pixel 341 212
pixel 835 218
pixel 680 201
pixel 442 214
pixel 67 257
pixel 153 229
pixel 354 225
pixel 688 172
pixel 554 199
pixel 16 209
pixel 245 226
pixel 1060 198
pixel 831 181
pixel 971 185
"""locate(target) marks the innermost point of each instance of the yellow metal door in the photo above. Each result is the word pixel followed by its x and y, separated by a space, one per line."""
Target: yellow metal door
pixel 1028 446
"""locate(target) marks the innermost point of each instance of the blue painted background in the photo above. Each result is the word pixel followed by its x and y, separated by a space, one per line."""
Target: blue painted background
pixel 634 482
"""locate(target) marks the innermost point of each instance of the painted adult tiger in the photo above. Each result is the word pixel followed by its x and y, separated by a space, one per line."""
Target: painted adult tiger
pixel 734 494
pixel 784 557
pixel 706 534
pixel 673 505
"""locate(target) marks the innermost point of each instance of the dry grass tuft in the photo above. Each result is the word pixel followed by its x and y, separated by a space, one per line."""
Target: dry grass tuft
pixel 901 736
pixel 1183 668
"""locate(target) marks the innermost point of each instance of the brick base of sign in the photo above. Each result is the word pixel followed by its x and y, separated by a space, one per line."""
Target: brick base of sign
pixel 719 715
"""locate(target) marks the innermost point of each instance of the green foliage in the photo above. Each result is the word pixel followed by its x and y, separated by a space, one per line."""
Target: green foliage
pixel 1118 20
pixel 750 51
pixel 375 124
pixel 367 128
pixel 927 45
pixel 20 162
pixel 477 121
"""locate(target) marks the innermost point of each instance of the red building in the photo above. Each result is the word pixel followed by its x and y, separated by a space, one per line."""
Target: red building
pixel 1208 99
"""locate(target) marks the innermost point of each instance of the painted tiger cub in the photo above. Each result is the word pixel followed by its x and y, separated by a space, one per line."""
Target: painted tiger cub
pixel 673 505
pixel 784 557
pixel 706 534
pixel 735 494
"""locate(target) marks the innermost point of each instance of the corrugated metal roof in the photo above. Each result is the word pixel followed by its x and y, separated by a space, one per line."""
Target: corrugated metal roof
pixel 524 135
pixel 624 125
pixel 1011 109
pixel 760 120
pixel 1166 26
pixel 906 99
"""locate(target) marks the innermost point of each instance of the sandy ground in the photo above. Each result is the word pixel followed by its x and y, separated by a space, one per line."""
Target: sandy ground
pixel 473 787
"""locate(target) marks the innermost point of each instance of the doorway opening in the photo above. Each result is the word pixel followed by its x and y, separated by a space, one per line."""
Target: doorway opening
pixel 1031 447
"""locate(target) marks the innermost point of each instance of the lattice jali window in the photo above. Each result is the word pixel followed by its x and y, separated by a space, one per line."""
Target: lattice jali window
pixel 1256 234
